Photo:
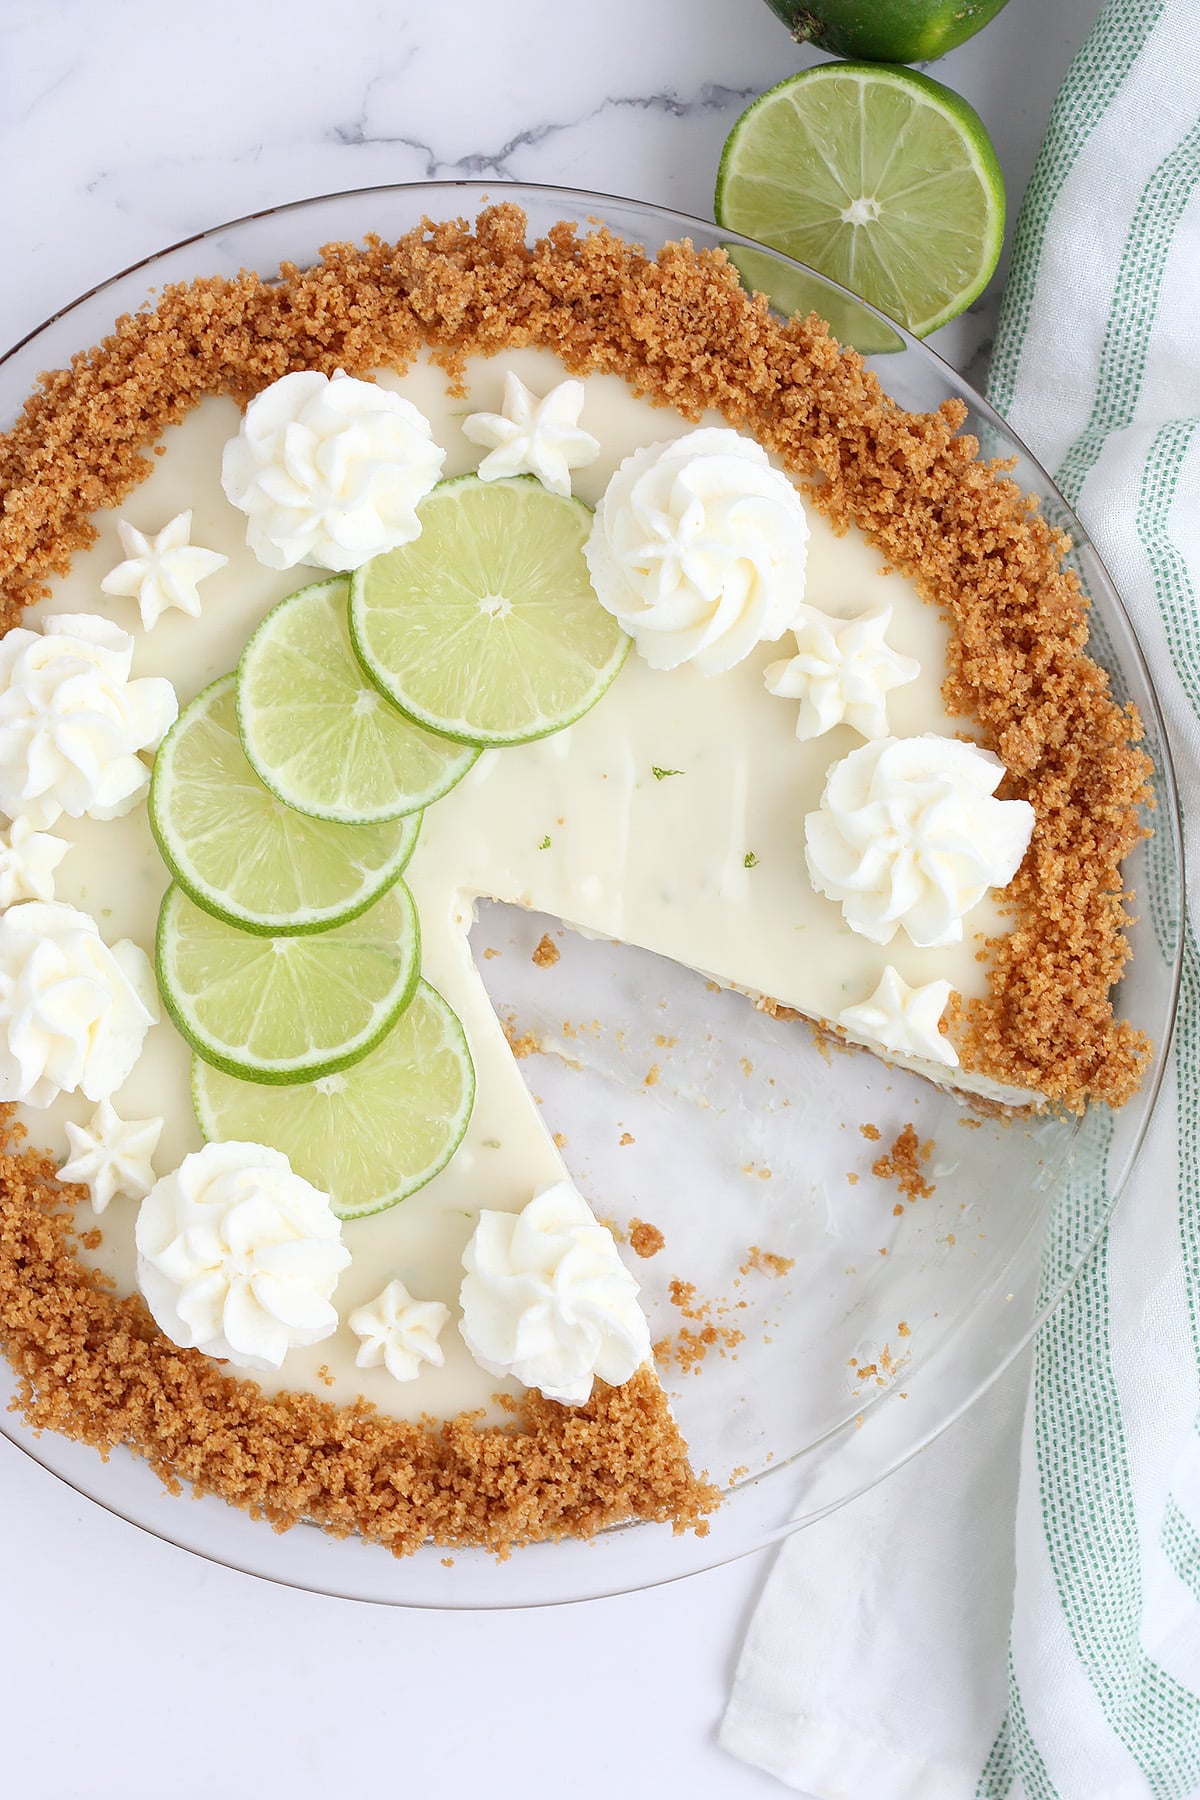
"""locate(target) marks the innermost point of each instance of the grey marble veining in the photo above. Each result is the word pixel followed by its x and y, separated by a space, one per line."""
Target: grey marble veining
pixel 136 127
pixel 711 98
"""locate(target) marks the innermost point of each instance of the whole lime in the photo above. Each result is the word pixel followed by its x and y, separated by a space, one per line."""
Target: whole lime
pixel 898 31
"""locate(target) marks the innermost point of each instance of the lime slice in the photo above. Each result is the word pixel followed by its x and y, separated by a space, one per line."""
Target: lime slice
pixel 371 1135
pixel 319 734
pixel 283 1009
pixel 243 855
pixel 486 627
pixel 877 177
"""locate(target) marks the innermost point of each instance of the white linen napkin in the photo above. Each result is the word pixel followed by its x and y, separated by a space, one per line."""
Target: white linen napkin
pixel 995 1621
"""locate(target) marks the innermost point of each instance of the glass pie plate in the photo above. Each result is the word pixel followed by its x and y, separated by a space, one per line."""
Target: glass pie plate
pixel 878 1324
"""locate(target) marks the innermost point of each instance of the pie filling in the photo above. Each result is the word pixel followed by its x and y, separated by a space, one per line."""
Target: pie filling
pixel 672 816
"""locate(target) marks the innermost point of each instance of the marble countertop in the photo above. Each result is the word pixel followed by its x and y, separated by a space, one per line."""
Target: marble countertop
pixel 124 128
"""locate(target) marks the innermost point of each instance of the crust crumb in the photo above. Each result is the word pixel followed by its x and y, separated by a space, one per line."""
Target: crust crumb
pixel 766 1262
pixel 646 1239
pixel 688 1349
pixel 775 1009
pixel 901 1164
pixel 683 1295
pixel 521 1043
pixel 547 953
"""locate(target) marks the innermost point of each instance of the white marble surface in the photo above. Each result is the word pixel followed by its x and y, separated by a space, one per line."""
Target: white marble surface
pixel 124 127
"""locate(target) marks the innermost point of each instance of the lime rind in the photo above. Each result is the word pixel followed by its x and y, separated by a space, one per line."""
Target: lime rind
pixel 486 628
pixel 371 1136
pixel 281 1009
pixel 232 845
pixel 318 734
pixel 900 31
pixel 815 145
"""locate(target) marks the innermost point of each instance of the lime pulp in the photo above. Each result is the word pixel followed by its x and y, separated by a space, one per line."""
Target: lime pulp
pixel 371 1135
pixel 486 628
pixel 878 177
pixel 243 855
pixel 319 734
pixel 284 1009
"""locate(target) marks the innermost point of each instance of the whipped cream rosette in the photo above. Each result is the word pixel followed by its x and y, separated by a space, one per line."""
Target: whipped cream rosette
pixel 239 1257
pixel 329 471
pixel 699 549
pixel 73 1013
pixel 908 836
pixel 111 1155
pixel 547 1298
pixel 72 721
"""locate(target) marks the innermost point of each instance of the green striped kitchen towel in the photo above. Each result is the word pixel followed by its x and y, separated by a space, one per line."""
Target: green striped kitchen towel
pixel 1017 1612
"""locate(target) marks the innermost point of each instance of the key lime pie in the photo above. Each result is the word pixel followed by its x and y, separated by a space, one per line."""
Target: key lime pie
pixel 460 568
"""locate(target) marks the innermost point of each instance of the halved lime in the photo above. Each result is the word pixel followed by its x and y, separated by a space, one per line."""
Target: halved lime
pixel 486 628
pixel 319 734
pixel 243 855
pixel 878 177
pixel 371 1135
pixel 283 1009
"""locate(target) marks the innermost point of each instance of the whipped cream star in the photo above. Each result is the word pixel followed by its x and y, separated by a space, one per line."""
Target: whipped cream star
pixel 843 671
pixel 28 859
pixel 534 437
pixel 162 570
pixel 904 1020
pixel 111 1155
pixel 399 1332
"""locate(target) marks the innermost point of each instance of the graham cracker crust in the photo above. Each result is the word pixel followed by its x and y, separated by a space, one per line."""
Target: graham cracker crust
pixel 682 331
